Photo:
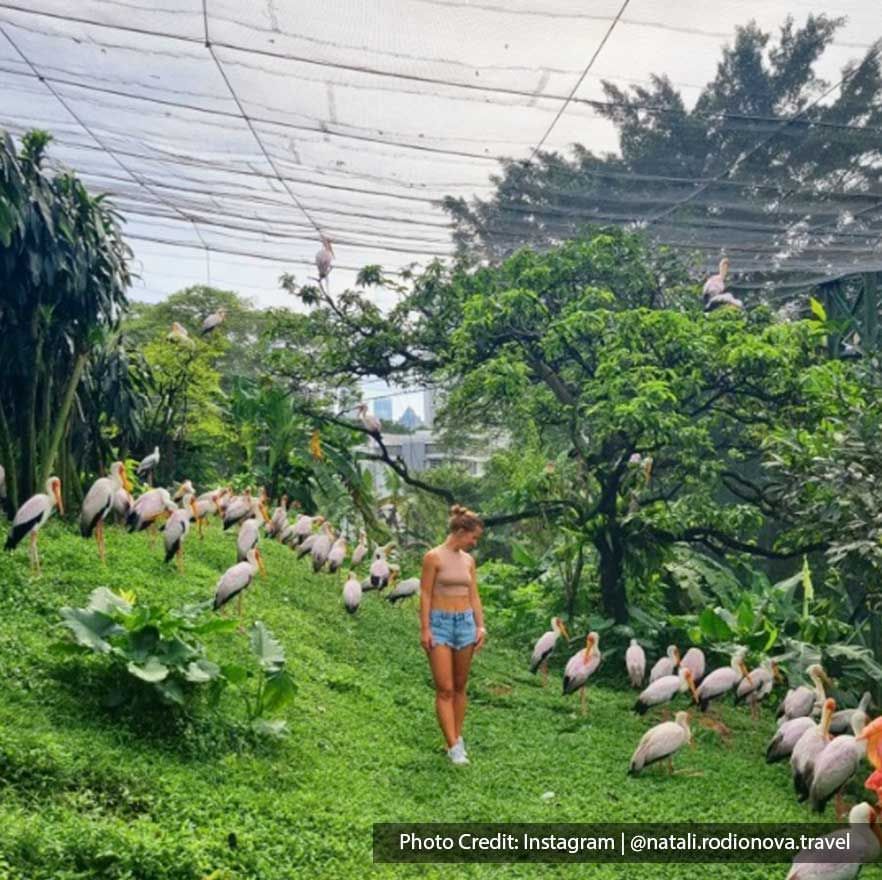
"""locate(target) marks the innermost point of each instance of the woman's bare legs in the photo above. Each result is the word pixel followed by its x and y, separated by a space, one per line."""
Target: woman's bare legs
pixel 462 662
pixel 441 661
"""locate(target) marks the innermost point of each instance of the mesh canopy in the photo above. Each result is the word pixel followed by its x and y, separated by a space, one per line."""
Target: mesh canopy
pixel 231 134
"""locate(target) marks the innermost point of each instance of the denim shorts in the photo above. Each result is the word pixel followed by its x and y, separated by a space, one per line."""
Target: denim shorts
pixel 453 628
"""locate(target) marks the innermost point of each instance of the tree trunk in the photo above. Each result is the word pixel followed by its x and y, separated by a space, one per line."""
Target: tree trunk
pixel 7 457
pixel 62 417
pixel 612 585
pixel 572 586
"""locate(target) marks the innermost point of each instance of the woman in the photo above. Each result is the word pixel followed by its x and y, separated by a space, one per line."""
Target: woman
pixel 452 622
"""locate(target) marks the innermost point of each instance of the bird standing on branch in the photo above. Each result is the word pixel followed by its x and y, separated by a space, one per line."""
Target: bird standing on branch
pixel 324 259
pixel 370 422
pixel 213 321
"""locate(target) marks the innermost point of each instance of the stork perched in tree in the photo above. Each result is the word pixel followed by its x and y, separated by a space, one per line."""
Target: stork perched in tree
pixel 176 530
pixel 660 742
pixel 635 663
pixel 545 646
pixel 179 335
pixel 213 321
pixel 324 259
pixel 148 465
pixel 581 667
pixel 31 515
pixel 236 579
pixel 716 284
pixel 370 422
pixel 99 501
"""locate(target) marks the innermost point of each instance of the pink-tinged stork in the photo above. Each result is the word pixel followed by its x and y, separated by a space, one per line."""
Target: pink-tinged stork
pixel 786 738
pixel 246 540
pixel 545 646
pixel 660 742
pixel 237 508
pixel 321 547
pixel 805 700
pixel 99 502
pixel 872 735
pixel 360 549
pixel 693 660
pixel 665 665
pixel 303 527
pixel 122 503
pixel 236 578
pixel 150 507
pixel 581 667
pixel 30 517
pixel 279 519
pixel 399 592
pixel 635 663
pixel 324 259
pixel 213 321
pixel 723 680
pixel 185 489
pixel 758 686
pixel 809 746
pixel 841 720
pixel 176 530
pixel 369 421
pixel 352 593
pixel 146 466
pixel 205 505
pixel 835 765
pixel 379 571
pixel 337 554
pixel 664 689
pixel 179 335
pixel 716 284
pixel 860 843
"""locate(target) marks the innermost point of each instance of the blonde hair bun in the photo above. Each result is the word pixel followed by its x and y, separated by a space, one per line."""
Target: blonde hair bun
pixel 463 520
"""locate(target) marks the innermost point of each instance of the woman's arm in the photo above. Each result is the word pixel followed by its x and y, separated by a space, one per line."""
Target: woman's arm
pixel 477 608
pixel 427 584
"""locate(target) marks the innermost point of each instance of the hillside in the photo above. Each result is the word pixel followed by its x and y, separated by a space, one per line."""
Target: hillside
pixel 87 793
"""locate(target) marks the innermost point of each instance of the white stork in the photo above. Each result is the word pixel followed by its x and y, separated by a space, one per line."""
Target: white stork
pixel 786 738
pixel 545 645
pixel 321 547
pixel 724 299
pixel 352 593
pixel 31 515
pixel 758 686
pixel 176 530
pixel 185 488
pixel 835 765
pixel 279 519
pixel 361 548
pixel 660 742
pixel 664 689
pixel 324 259
pixel 337 554
pixel 804 700
pixel 148 464
pixel 863 843
pixel 122 503
pixel 99 502
pixel 303 527
pixel 206 505
pixel 213 321
pixel 693 660
pixel 246 540
pixel 408 587
pixel 665 665
pixel 716 284
pixel 151 506
pixel 635 663
pixel 809 746
pixel 379 570
pixel 581 667
pixel 841 720
pixel 722 680
pixel 369 421
pixel 236 578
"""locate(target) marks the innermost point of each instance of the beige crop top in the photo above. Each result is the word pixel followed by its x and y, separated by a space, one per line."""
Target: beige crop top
pixel 454 575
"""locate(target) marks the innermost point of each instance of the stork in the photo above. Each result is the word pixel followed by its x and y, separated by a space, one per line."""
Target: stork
pixel 545 645
pixel 324 259
pixel 176 530
pixel 804 700
pixel 379 570
pixel 635 663
pixel 179 335
pixel 758 686
pixel 581 667
pixel 665 665
pixel 841 720
pixel 321 547
pixel 236 579
pixel 337 554
pixel 370 422
pixel 213 321
pixel 407 588
pixel 693 660
pixel 99 502
pixel 660 742
pixel 835 766
pixel 664 689
pixel 148 464
pixel 809 746
pixel 723 680
pixel 361 548
pixel 31 515
pixel 352 593
pixel 786 738
pixel 716 284
pixel 150 507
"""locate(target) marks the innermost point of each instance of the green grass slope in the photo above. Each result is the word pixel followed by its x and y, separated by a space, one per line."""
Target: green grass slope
pixel 86 793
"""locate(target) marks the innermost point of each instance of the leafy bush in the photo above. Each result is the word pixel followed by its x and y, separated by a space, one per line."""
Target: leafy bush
pixel 162 649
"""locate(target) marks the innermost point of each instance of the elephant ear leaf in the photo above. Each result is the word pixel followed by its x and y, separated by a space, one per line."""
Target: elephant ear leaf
pixel 267 648
pixel 91 629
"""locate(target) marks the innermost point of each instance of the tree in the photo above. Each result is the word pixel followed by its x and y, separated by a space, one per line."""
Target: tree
pixel 64 272
pixel 745 178
pixel 642 420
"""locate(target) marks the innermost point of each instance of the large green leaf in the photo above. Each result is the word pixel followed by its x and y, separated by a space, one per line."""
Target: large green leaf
pixel 273 729
pixel 152 671
pixel 714 628
pixel 91 629
pixel 278 691
pixel 108 602
pixel 202 670
pixel 268 650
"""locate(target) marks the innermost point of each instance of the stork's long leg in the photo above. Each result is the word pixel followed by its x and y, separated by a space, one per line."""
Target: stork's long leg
pixel 32 552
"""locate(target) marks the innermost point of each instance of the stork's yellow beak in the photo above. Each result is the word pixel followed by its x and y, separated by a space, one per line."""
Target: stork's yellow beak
pixel 56 491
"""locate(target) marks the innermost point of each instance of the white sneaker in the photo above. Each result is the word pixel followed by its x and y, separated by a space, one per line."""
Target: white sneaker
pixel 460 742
pixel 457 754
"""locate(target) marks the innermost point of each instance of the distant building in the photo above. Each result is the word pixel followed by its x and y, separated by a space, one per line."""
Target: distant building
pixel 383 408
pixel 410 420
